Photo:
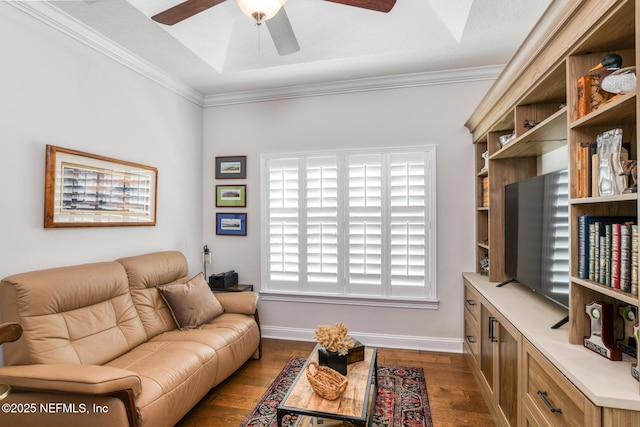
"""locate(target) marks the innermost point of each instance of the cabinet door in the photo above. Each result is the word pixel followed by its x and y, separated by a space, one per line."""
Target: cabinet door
pixel 487 348
pixel 508 374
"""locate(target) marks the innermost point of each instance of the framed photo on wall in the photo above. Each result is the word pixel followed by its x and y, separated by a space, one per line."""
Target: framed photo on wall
pixel 88 190
pixel 231 224
pixel 231 196
pixel 231 167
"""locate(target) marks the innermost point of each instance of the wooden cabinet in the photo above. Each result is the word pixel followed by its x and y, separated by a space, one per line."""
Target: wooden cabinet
pixel 530 374
pixel 550 397
pixel 495 356
pixel 536 101
pixel 472 337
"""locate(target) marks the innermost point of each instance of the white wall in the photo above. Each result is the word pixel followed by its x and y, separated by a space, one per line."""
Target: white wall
pixel 394 117
pixel 55 90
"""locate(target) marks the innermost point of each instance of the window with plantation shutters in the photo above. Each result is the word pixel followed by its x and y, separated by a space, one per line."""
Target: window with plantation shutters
pixel 350 223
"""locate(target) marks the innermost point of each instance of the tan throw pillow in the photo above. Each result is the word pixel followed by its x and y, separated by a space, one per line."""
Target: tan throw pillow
pixel 192 303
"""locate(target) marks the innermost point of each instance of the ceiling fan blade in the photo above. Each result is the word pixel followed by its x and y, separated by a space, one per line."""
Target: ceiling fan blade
pixel 282 33
pixel 377 5
pixel 184 10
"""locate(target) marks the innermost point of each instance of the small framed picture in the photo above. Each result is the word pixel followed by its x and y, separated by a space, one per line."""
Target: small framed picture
pixel 231 167
pixel 231 224
pixel 228 196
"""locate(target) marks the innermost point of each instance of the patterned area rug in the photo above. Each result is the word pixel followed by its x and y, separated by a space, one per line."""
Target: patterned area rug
pixel 402 398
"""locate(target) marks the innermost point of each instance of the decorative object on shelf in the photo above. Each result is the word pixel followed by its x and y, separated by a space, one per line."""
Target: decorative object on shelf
pixel 601 338
pixel 485 157
pixel 628 343
pixel 228 196
pixel 621 81
pixel 356 353
pixel 326 382
pixel 231 224
pixel 231 167
pixel 611 179
pixel 505 139
pixel 616 80
pixel 88 190
pixel 634 366
pixel 630 169
pixel 590 95
pixel 484 265
pixel 530 124
pixel 334 346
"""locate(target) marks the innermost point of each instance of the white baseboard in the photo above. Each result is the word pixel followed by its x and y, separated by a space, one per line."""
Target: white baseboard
pixel 448 345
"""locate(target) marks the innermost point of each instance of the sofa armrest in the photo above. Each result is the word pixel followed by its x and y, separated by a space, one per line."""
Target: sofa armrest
pixel 239 302
pixel 78 379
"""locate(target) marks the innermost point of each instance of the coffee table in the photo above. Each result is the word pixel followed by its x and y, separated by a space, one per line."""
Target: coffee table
pixel 356 404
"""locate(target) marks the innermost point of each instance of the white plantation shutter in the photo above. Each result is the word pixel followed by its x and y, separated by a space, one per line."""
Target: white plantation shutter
pixel 365 223
pixel 283 201
pixel 409 230
pixel 322 223
pixel 350 223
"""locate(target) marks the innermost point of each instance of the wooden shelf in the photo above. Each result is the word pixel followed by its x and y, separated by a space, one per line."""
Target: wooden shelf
pixel 605 199
pixel 544 89
pixel 605 290
pixel 616 112
pixel 547 136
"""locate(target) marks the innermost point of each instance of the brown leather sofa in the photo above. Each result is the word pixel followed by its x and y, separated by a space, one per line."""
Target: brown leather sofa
pixel 101 347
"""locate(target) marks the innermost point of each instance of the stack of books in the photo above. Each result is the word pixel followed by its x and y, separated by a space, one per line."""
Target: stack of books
pixel 605 251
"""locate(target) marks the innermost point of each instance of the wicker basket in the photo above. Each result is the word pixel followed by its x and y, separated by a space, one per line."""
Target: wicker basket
pixel 329 384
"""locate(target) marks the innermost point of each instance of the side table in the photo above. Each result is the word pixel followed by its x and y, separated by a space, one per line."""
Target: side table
pixel 234 288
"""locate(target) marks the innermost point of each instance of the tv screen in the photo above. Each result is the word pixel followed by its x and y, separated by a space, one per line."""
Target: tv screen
pixel 537 234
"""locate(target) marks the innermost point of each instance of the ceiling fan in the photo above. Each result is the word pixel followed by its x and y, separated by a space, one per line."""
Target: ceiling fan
pixel 277 20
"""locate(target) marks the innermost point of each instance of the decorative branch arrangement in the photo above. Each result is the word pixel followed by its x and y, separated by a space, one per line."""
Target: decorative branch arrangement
pixel 334 338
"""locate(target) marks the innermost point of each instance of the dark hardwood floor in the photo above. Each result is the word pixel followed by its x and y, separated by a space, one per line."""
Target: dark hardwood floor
pixel 454 396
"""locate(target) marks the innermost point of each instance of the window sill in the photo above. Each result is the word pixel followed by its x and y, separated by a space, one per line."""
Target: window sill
pixel 424 304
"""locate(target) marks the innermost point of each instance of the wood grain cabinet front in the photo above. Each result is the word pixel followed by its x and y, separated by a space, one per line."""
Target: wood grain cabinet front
pixel 549 396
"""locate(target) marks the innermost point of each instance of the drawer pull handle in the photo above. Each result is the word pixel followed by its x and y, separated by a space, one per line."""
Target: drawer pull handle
pixel 471 303
pixel 471 339
pixel 543 396
pixel 492 332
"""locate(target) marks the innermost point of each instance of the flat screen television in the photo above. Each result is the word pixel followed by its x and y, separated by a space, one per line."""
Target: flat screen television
pixel 536 232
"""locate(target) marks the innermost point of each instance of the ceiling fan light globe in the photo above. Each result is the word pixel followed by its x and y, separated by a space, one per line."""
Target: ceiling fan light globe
pixel 265 9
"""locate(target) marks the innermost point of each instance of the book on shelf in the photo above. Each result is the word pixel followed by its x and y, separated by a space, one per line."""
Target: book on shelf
pixel 605 244
pixel 485 192
pixel 634 259
pixel 587 166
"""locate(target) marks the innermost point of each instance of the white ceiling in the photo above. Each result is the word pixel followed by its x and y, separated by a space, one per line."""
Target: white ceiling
pixel 221 51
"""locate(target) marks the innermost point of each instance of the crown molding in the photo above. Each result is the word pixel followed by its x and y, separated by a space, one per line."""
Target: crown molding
pixel 357 85
pixel 70 26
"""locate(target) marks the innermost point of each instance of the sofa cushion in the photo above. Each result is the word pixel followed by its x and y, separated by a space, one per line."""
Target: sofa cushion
pixel 175 375
pixel 147 271
pixel 192 304
pixel 76 315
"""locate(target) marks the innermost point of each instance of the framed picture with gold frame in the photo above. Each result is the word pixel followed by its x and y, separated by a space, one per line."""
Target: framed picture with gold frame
pixel 89 190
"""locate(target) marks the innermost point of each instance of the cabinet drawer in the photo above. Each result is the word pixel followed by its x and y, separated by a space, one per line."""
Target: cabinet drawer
pixel 552 397
pixel 472 302
pixel 472 336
